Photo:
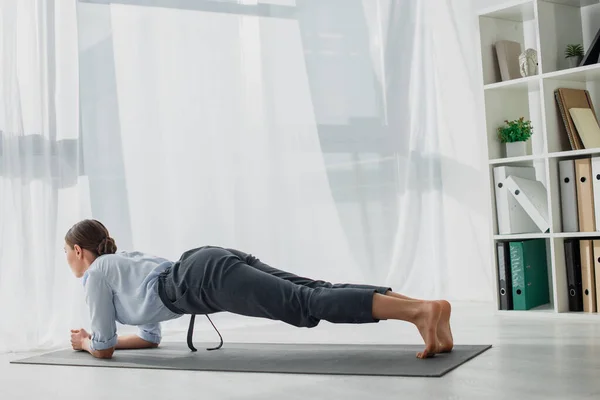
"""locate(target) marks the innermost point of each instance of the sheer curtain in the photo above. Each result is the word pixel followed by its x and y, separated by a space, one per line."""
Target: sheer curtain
pixel 42 186
pixel 337 139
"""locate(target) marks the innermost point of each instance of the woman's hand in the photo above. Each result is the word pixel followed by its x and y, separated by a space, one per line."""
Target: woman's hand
pixel 77 338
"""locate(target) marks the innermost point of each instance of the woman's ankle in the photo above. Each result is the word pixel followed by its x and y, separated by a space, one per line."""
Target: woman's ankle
pixel 389 307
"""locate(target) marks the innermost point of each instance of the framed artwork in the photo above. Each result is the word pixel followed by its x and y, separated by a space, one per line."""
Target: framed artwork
pixel 592 54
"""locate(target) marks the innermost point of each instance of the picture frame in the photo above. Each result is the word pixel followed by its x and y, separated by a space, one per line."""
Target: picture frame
pixel 593 52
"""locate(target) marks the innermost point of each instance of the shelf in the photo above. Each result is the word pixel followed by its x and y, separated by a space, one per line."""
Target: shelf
pixel 526 83
pixel 548 311
pixel 518 11
pixel 511 160
pixel 522 236
pixel 543 309
pixel 574 3
pixel 576 235
pixel 574 153
pixel 565 235
pixel 547 26
pixel 577 315
pixel 578 74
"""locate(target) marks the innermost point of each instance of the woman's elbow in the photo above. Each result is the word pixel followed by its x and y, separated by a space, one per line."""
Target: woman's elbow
pixel 104 354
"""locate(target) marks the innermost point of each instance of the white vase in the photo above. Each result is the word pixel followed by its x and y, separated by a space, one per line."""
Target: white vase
pixel 516 149
pixel 574 61
pixel 528 63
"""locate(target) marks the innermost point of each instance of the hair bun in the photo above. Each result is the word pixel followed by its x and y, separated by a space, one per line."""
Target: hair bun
pixel 107 246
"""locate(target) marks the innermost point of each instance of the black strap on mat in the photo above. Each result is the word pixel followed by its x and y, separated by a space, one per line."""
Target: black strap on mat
pixel 191 334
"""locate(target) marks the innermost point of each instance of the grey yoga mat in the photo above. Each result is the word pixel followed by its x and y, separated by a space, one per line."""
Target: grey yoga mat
pixel 324 359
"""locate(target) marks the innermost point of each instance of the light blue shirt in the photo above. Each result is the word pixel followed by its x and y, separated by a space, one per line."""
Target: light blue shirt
pixel 123 287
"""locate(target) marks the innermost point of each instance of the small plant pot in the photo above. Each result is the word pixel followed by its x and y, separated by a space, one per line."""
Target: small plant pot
pixel 516 149
pixel 574 61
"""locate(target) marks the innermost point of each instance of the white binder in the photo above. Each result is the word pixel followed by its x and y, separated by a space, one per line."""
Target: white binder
pixel 512 218
pixel 533 197
pixel 568 196
pixel 596 186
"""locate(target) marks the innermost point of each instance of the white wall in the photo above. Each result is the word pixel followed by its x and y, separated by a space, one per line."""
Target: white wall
pixel 477 5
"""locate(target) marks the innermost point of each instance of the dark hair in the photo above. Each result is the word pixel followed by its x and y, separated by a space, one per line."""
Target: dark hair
pixel 91 235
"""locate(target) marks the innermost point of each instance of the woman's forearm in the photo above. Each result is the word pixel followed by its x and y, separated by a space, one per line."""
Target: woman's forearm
pixel 133 342
pixel 123 342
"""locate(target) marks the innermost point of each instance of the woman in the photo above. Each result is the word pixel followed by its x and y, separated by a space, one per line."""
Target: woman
pixel 143 290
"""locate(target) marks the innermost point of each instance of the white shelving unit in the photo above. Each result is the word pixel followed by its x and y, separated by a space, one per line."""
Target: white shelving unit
pixel 546 26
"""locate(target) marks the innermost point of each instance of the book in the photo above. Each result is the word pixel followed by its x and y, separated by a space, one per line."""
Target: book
pixel 511 216
pixel 567 98
pixel 585 195
pixel 529 273
pixel 588 276
pixel 587 126
pixel 507 53
pixel 533 197
pixel 504 278
pixel 568 196
pixel 567 138
pixel 596 254
pixel 573 267
pixel 596 189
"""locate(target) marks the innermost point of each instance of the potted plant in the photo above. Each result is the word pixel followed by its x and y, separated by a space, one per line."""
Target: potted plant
pixel 514 134
pixel 574 54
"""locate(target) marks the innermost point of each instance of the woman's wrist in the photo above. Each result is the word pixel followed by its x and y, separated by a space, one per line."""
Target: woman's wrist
pixel 85 345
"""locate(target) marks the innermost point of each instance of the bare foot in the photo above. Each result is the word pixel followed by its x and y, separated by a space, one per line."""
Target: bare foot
pixel 445 340
pixel 427 323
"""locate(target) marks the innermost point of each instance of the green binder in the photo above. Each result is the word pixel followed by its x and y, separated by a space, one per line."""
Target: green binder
pixel 529 270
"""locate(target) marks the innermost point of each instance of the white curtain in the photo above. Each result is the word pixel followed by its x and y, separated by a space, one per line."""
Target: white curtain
pixel 337 139
pixel 42 188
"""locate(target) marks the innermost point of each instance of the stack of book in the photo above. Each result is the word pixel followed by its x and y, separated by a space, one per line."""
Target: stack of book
pixel 580 212
pixel 583 274
pixel 579 118
pixel 522 274
pixel 580 194
pixel 580 199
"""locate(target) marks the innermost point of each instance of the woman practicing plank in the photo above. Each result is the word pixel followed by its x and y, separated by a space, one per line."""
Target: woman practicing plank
pixel 143 290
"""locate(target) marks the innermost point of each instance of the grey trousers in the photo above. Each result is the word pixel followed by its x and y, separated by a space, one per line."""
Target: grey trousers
pixel 212 279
